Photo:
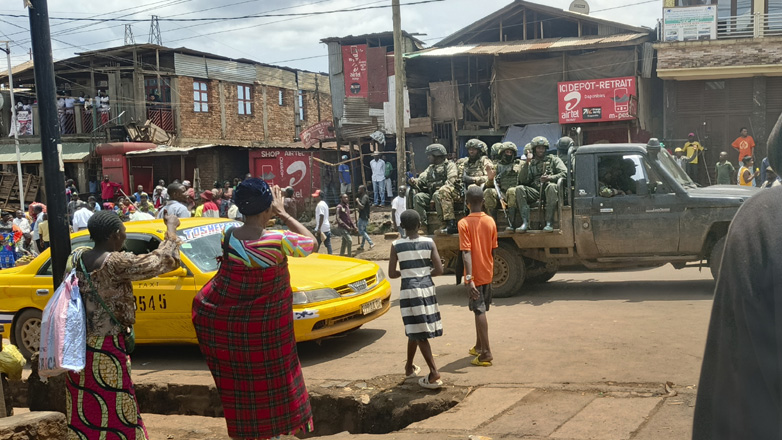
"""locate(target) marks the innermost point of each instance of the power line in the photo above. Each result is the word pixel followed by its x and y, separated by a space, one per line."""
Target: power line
pixel 243 17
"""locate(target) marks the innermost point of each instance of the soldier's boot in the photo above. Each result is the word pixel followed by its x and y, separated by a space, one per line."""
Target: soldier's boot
pixel 511 221
pixel 550 210
pixel 524 218
pixel 452 228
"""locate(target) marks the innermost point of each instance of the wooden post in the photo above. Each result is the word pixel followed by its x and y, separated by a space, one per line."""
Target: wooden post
pixel 351 168
pixel 399 83
pixel 361 164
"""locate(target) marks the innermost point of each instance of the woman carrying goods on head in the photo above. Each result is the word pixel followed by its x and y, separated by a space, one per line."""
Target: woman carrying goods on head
pixel 243 318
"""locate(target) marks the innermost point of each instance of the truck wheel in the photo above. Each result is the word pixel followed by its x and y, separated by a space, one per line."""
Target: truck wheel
pixel 27 332
pixel 715 257
pixel 508 271
pixel 548 273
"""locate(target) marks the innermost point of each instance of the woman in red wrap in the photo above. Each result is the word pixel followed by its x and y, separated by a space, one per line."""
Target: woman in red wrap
pixel 244 320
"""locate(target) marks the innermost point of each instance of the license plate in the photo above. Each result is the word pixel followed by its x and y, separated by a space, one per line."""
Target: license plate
pixel 371 306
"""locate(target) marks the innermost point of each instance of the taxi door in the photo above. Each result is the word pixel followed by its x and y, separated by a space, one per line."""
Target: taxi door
pixel 163 303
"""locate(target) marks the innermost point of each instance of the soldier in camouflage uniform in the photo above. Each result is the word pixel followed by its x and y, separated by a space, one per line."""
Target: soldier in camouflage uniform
pixel 471 170
pixel 495 151
pixel 429 183
pixel 506 172
pixel 540 179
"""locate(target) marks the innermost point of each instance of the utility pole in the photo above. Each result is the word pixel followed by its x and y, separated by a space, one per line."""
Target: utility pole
pixel 53 167
pixel 15 125
pixel 399 84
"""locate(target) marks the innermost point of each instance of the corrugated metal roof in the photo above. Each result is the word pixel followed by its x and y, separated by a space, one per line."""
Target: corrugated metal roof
pixel 555 44
pixel 31 153
pixel 356 111
pixel 18 68
pixel 489 22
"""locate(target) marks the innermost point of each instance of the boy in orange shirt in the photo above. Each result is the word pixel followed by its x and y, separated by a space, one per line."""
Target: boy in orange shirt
pixel 477 241
pixel 744 143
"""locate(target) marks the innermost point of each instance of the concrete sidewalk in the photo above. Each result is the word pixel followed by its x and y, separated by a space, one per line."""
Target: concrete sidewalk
pixel 509 412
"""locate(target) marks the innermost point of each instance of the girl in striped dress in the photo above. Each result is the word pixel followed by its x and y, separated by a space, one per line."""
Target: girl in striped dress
pixel 418 262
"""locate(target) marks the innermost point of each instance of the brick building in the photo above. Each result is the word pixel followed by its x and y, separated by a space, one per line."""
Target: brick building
pixel 721 72
pixel 215 110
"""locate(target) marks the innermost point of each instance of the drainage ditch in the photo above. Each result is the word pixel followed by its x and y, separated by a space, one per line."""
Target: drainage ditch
pixel 378 406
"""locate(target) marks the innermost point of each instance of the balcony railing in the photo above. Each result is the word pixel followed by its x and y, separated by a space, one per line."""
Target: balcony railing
pixel 161 116
pixel 749 26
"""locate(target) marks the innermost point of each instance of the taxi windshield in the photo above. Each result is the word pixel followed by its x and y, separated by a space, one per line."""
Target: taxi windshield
pixel 202 244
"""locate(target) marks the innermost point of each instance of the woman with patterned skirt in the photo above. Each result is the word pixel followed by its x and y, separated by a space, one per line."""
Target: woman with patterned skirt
pixel 244 320
pixel 101 402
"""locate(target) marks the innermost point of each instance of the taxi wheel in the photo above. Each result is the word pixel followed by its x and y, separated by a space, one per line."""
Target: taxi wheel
pixel 27 332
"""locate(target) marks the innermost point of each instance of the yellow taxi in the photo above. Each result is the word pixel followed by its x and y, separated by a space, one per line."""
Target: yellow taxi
pixel 332 294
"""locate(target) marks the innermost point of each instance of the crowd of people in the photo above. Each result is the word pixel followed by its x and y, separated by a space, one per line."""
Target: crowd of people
pixel 689 158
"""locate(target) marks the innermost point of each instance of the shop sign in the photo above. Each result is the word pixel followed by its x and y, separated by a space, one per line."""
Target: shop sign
pixel 354 61
pixel 597 100
pixel 690 24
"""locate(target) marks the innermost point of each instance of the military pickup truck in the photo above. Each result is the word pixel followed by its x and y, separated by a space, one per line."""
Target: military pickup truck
pixel 666 218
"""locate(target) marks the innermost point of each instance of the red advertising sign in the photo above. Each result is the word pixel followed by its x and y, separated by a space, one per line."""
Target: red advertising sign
pixel 597 100
pixel 286 168
pixel 317 132
pixel 354 61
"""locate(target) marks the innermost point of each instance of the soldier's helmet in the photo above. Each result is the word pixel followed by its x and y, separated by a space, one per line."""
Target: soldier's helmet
pixel 539 141
pixel 495 150
pixel 508 146
pixel 564 143
pixel 477 144
pixel 436 150
pixel 527 148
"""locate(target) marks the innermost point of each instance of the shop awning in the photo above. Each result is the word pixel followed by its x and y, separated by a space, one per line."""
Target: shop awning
pixel 165 150
pixel 31 153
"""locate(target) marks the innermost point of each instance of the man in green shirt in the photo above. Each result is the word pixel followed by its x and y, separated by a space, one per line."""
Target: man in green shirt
pixel 725 170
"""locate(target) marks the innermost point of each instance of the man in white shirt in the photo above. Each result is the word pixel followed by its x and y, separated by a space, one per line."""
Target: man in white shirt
pixel 81 216
pixel 378 166
pixel 22 223
pixel 398 206
pixel 176 203
pixel 322 225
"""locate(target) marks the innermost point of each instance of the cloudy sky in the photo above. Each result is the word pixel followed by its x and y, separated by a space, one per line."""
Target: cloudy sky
pixel 292 40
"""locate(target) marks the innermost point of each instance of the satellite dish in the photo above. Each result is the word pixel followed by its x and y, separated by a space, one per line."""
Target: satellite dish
pixel 580 6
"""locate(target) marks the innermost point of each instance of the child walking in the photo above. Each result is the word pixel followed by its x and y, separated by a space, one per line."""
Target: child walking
pixel 419 261
pixel 477 241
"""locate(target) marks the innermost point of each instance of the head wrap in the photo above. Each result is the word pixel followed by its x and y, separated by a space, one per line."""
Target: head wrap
pixel 207 195
pixel 253 196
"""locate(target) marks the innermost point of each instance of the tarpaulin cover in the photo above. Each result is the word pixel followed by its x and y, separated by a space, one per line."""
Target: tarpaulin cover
pixel 522 135
pixel 526 91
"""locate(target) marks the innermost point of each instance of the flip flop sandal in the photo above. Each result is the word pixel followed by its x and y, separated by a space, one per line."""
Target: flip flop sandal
pixel 479 363
pixel 416 370
pixel 473 352
pixel 424 383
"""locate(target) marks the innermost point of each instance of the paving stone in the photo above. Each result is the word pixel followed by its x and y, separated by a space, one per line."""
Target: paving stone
pixel 539 413
pixel 608 418
pixel 672 421
pixel 477 408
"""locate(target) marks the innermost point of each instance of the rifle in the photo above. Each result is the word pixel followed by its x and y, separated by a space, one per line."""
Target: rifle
pixel 501 198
